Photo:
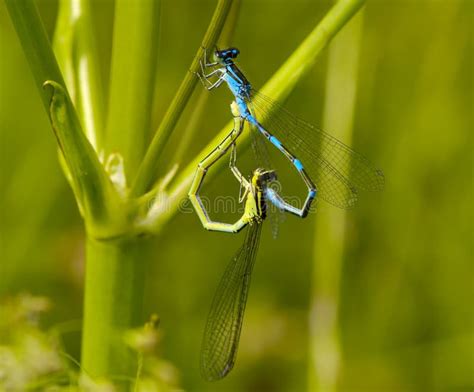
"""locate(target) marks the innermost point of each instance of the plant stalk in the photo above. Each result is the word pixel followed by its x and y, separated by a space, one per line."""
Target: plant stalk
pixel 132 80
pixel 76 50
pixel 148 168
pixel 195 119
pixel 325 354
pixel 114 289
pixel 34 40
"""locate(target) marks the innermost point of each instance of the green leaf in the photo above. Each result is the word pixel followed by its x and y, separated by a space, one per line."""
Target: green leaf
pixel 98 200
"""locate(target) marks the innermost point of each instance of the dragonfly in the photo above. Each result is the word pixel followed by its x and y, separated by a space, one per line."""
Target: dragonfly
pixel 327 166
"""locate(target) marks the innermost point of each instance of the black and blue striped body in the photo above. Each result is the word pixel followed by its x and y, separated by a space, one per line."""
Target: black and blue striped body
pixel 241 89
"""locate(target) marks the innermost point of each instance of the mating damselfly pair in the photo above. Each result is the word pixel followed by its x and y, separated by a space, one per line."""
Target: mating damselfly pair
pixel 328 168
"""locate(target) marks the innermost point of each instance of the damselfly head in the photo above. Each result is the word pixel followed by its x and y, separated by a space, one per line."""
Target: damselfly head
pixel 263 176
pixel 226 54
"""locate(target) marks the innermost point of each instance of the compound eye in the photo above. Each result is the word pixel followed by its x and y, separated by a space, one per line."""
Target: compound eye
pixel 235 52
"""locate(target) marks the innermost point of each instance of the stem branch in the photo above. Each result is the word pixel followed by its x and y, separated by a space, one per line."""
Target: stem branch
pixel 148 168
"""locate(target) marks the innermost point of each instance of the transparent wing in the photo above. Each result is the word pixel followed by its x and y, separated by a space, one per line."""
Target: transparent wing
pixel 337 170
pixel 262 157
pixel 224 322
pixel 259 148
pixel 275 215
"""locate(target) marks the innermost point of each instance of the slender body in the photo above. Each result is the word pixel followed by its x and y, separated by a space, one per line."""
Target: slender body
pixel 224 322
pixel 241 89
pixel 329 161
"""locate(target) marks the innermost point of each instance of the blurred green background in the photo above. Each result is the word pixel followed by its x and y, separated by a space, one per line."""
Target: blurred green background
pixel 407 284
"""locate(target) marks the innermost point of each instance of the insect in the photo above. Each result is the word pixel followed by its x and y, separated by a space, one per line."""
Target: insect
pixel 224 322
pixel 337 170
pixel 219 151
pixel 326 165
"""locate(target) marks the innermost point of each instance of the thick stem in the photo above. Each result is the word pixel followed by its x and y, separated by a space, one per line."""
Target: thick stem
pixel 115 276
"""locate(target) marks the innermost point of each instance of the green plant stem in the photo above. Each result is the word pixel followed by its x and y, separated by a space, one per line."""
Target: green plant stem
pixel 278 87
pixel 114 285
pixel 194 121
pixel 35 43
pixel 149 167
pixel 76 51
pixel 115 269
pixel 325 354
pixel 134 55
pixel 230 25
pixel 304 57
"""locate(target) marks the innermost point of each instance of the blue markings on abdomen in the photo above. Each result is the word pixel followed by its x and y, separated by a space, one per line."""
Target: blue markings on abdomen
pixel 272 139
pixel 275 142
pixel 298 164
pixel 251 119
pixel 235 87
